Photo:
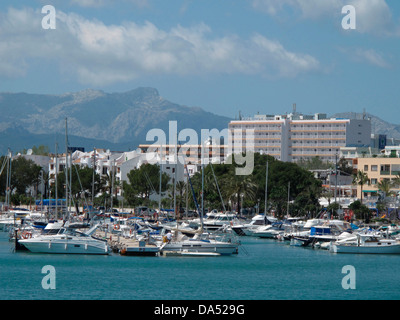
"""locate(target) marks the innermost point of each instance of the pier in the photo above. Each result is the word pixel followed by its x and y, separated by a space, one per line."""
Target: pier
pixel 128 246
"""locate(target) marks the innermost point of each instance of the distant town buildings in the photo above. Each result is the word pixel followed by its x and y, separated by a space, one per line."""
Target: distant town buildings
pixel 291 137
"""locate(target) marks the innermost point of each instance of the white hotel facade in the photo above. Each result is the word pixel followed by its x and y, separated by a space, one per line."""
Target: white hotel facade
pixel 296 137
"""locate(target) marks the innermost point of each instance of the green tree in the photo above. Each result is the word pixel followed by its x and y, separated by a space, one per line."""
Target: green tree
pixel 305 189
pixel 108 186
pixel 180 193
pixel 360 210
pixel 41 150
pixel 81 183
pixel 344 166
pixel 3 176
pixel 385 186
pixel 24 174
pixel 238 188
pixel 143 181
pixel 360 178
pixel 314 164
pixel 396 181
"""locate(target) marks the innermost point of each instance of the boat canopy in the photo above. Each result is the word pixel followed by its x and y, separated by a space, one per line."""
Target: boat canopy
pixel 320 230
pixel 50 202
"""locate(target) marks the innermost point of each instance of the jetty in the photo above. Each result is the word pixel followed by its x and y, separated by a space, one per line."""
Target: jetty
pixel 128 246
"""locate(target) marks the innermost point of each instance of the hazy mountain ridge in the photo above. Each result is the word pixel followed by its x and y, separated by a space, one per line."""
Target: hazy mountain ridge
pixel 378 126
pixel 121 119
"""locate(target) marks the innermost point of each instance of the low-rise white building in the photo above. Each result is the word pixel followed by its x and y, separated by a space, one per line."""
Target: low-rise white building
pixel 117 164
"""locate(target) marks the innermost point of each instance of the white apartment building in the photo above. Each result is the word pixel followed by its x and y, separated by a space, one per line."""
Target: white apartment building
pixel 118 164
pixel 295 136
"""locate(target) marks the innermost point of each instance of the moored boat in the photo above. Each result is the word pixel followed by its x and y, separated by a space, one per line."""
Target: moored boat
pixel 367 244
pixel 66 241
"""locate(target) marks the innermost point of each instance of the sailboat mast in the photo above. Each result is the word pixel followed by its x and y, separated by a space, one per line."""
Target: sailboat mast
pixel 202 185
pixel 176 166
pixel 159 188
pixel 56 184
pixel 9 181
pixel 266 188
pixel 288 200
pixel 93 176
pixel 66 166
pixel 7 178
pixel 216 183
pixel 112 185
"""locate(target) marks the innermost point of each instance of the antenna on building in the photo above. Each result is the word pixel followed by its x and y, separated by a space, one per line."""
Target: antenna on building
pixel 364 114
pixel 294 108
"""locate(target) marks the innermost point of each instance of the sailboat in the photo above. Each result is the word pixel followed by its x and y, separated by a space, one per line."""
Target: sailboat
pixel 201 243
pixel 260 225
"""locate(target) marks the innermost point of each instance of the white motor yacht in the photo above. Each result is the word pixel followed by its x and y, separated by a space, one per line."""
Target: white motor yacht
pixel 68 241
pixel 257 221
pixel 199 243
pixel 269 231
pixel 220 220
pixel 367 244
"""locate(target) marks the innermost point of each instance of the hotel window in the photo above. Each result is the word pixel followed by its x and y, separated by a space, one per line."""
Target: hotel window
pixel 365 167
pixel 374 181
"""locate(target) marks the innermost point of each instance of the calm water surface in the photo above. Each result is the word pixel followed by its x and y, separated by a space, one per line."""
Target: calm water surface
pixel 263 270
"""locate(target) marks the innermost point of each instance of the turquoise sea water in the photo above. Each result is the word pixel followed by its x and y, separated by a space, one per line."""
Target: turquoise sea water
pixel 264 269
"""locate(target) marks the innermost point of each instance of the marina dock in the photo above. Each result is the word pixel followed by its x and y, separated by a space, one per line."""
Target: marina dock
pixel 128 246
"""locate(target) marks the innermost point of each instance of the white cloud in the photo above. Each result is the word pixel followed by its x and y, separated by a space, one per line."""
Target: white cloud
pixel 369 56
pixel 373 57
pixel 101 3
pixel 373 16
pixel 99 54
pixel 307 8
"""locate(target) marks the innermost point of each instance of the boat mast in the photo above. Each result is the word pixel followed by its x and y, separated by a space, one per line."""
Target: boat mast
pixel 288 199
pixel 56 184
pixel 176 166
pixel 112 186
pixel 93 177
pixel 159 188
pixel 7 178
pixel 41 191
pixel 216 183
pixel 9 181
pixel 66 167
pixel 202 185
pixel 266 189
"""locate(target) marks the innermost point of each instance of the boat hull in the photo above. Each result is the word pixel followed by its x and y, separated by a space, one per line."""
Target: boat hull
pixel 141 251
pixel 239 231
pixel 71 247
pixel 387 249
pixel 221 248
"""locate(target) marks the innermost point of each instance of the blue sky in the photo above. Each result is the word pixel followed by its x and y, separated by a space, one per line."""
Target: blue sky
pixel 225 56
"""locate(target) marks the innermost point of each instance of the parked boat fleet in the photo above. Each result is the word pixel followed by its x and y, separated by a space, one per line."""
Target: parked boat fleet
pixel 216 234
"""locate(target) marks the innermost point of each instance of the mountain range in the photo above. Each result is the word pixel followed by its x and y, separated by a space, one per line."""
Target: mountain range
pixel 116 121
pixel 378 126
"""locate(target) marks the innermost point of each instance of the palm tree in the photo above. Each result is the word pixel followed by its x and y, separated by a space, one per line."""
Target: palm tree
pixel 240 186
pixel 360 178
pixel 385 186
pixel 180 192
pixel 396 181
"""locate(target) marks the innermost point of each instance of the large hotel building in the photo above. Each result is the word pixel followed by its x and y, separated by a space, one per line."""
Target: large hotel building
pixel 295 136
